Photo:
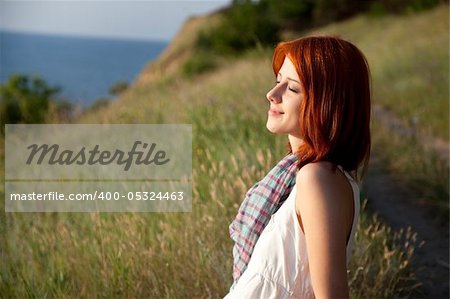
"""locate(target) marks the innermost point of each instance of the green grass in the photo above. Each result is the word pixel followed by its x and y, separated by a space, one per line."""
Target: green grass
pixel 188 255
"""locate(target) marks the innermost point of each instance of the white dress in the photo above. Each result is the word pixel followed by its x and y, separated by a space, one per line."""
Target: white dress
pixel 279 265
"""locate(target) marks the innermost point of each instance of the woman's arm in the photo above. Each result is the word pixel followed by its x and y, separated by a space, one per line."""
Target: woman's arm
pixel 324 209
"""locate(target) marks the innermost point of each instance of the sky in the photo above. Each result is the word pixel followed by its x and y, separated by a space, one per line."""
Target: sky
pixel 144 19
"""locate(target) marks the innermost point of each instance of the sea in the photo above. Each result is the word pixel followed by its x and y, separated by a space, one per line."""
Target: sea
pixel 84 68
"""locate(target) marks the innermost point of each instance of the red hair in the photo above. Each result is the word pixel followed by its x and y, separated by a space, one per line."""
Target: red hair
pixel 335 113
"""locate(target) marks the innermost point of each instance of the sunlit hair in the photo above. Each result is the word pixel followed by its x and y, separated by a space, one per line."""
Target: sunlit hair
pixel 335 113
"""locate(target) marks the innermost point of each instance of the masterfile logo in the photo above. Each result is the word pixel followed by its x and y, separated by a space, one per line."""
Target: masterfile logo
pixel 52 155
pixel 98 167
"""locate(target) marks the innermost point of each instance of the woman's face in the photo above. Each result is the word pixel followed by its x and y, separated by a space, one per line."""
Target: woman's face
pixel 285 98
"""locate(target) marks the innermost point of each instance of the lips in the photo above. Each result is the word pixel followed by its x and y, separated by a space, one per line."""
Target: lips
pixel 275 112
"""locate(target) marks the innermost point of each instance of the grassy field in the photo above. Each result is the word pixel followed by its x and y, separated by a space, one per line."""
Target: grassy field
pixel 188 255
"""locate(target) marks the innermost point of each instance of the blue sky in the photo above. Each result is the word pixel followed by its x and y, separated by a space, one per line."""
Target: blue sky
pixel 158 20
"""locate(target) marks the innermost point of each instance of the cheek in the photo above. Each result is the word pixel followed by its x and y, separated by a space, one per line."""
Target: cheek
pixel 294 114
pixel 294 110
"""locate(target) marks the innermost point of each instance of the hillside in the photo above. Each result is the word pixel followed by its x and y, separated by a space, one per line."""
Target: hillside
pixel 179 49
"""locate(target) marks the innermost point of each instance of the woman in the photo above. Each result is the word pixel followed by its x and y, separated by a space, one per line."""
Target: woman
pixel 294 230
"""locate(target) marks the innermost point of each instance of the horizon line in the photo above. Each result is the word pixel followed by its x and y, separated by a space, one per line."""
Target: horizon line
pixel 81 35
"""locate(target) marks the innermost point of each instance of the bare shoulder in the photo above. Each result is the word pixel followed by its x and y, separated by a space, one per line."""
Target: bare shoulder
pixel 319 177
pixel 322 191
pixel 318 173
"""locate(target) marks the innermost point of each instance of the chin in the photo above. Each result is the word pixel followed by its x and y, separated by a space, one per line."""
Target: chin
pixel 272 129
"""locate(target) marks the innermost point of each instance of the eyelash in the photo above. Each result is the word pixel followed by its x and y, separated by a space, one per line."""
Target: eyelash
pixel 291 89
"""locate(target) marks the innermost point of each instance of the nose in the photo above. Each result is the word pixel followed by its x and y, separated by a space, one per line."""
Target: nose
pixel 274 95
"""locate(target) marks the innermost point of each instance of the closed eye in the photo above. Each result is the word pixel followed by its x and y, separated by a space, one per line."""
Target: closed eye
pixel 291 89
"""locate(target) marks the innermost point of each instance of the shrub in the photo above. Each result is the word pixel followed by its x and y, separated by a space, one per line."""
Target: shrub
pixel 246 25
pixel 291 14
pixel 118 88
pixel 25 99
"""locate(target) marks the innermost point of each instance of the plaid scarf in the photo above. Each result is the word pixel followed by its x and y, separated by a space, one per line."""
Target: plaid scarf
pixel 260 202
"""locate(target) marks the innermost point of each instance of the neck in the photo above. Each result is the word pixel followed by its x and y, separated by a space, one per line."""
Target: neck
pixel 295 142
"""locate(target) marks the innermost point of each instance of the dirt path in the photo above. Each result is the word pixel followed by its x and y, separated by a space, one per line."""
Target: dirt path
pixel 395 205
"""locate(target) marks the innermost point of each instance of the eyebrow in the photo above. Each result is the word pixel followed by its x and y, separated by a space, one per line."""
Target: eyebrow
pixel 289 78
pixel 293 80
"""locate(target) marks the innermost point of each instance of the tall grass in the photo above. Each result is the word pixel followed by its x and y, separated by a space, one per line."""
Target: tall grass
pixel 381 264
pixel 169 255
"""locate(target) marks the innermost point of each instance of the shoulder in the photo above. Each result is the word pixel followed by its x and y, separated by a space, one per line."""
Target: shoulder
pixel 318 173
pixel 319 186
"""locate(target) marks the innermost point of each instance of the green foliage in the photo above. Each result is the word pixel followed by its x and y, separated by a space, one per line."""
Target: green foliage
pixel 118 88
pixel 326 11
pixel 291 14
pixel 377 9
pixel 247 25
pixel 25 99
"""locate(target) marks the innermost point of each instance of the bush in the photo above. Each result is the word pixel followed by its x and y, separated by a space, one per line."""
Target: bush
pixel 118 88
pixel 326 11
pixel 25 99
pixel 246 25
pixel 291 14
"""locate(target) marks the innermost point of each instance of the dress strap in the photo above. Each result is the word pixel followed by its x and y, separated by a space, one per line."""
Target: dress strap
pixel 347 174
pixel 356 203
